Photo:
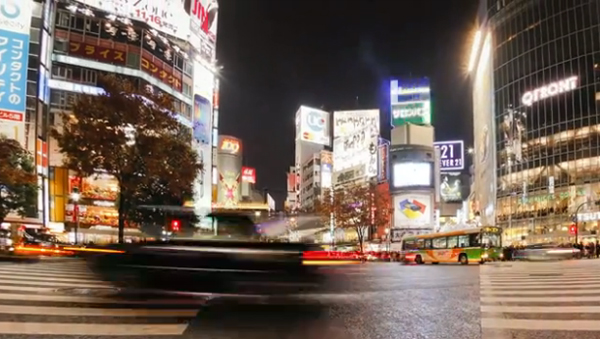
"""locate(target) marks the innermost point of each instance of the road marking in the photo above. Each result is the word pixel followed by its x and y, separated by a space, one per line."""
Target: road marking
pixel 540 309
pixel 541 325
pixel 98 300
pixel 27 328
pixel 82 276
pixel 17 279
pixel 516 292
pixel 45 272
pixel 96 312
pixel 546 299
pixel 539 279
pixel 99 284
pixel 521 287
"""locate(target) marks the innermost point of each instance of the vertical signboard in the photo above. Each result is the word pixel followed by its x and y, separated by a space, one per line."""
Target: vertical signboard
pixel 383 164
pixel 15 20
pixel 410 102
pixel 203 16
pixel 356 139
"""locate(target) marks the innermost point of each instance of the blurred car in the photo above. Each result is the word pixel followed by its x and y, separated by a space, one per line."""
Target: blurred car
pixel 236 260
pixel 546 252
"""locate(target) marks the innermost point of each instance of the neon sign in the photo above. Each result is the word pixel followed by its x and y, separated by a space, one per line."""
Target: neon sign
pixel 550 90
pixel 230 146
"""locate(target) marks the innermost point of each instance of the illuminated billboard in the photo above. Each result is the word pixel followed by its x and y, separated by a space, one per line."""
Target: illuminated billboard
pixel 314 126
pixel 166 16
pixel 15 20
pixel 451 188
pixel 203 15
pixel 230 145
pixel 410 102
pixel 356 139
pixel 410 174
pixel 383 168
pixel 452 155
pixel 413 210
pixel 249 175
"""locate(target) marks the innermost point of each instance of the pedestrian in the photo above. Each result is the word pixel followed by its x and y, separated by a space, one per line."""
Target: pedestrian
pixel 597 249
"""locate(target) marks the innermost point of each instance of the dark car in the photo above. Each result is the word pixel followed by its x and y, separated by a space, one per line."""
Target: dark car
pixel 234 260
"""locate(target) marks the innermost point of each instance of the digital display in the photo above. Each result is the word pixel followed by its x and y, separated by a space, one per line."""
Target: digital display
pixel 412 174
pixel 452 155
pixel 410 101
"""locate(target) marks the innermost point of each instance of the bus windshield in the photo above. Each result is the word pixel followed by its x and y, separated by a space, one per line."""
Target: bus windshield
pixel 490 240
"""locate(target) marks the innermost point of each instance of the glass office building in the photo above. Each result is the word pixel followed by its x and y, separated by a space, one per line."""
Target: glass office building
pixel 537 121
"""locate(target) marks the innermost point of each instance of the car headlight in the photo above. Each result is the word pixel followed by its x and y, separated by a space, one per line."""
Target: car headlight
pixel 484 255
pixel 501 255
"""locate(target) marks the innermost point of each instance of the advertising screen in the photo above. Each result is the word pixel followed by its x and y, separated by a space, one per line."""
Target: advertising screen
pixel 202 113
pixel 452 155
pixel 356 140
pixel 412 174
pixel 166 16
pixel 410 101
pixel 451 188
pixel 314 126
pixel 326 175
pixel 413 210
pixel 15 20
pixel 249 175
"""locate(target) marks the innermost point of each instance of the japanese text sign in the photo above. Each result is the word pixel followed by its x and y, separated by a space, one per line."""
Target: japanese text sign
pixel 98 53
pixel 15 21
pixel 167 77
pixel 452 155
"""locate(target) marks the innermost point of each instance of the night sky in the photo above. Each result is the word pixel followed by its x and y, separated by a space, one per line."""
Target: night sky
pixel 280 54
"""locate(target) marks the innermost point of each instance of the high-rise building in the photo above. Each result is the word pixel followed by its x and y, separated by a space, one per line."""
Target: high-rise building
pixel 534 67
pixel 168 46
pixel 313 134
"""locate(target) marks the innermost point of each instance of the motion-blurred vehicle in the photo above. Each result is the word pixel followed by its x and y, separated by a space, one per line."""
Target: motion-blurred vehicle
pixel 237 260
pixel 25 242
pixel 547 252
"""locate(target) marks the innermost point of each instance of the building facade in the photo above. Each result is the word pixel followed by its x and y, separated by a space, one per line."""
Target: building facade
pixel 169 48
pixel 535 68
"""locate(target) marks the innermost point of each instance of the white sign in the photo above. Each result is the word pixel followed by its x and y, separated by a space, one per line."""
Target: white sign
pixel 412 174
pixel 356 139
pixel 166 16
pixel 314 126
pixel 413 210
pixel 73 87
pixel 550 90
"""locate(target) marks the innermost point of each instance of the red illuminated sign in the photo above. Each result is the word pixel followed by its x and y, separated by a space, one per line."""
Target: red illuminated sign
pixel 249 175
pixel 98 53
pixel 154 69
pixel 230 145
pixel 201 13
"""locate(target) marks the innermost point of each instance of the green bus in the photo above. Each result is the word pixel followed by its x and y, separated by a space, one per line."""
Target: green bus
pixel 475 245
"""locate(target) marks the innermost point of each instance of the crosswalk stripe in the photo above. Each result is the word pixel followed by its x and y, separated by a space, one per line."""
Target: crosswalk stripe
pixel 545 299
pixel 96 312
pixel 30 328
pixel 48 279
pixel 540 309
pixel 4 270
pixel 98 300
pixel 54 283
pixel 541 325
pixel 516 292
pixel 521 287
pixel 82 276
pixel 550 279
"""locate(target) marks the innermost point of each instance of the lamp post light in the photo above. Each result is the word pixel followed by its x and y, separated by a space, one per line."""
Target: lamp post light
pixel 75 196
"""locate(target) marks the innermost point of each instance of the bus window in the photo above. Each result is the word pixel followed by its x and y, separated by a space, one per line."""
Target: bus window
pixel 474 240
pixel 428 243
pixel 463 241
pixel 439 242
pixel 408 245
pixel 491 240
pixel 420 243
pixel 452 242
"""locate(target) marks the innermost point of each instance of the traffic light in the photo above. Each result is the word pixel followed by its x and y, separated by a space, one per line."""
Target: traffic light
pixel 573 229
pixel 175 225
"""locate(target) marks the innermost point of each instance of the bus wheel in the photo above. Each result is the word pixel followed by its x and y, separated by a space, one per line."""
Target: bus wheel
pixel 463 259
pixel 419 260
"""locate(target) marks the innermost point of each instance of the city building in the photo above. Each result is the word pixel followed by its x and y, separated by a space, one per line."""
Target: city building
pixel 535 72
pixel 413 160
pixel 290 205
pixel 169 48
pixel 313 134
pixel 316 176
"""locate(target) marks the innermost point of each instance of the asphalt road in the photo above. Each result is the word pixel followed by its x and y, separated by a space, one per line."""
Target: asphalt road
pixel 61 299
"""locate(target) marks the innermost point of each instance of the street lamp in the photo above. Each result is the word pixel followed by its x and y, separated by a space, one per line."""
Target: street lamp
pixel 75 196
